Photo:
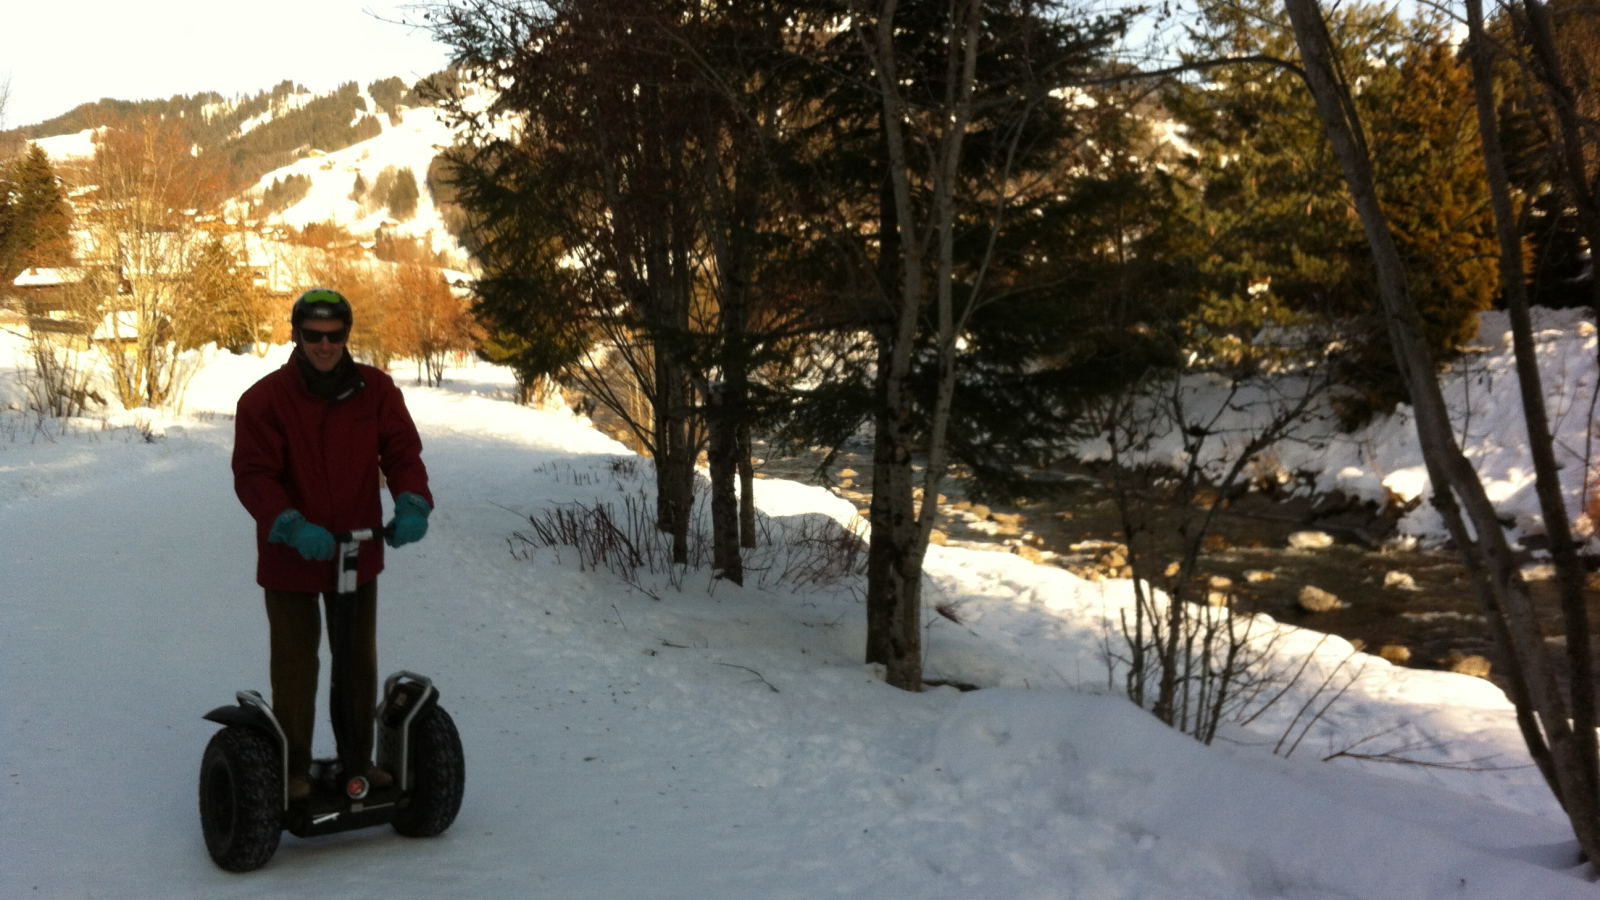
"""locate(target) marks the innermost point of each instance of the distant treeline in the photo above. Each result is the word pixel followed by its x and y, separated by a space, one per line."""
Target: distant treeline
pixel 285 192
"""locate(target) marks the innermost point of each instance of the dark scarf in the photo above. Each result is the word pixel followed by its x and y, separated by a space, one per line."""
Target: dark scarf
pixel 339 383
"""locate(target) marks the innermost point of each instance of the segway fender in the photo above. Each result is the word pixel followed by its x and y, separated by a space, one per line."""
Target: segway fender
pixel 242 715
pixel 253 712
pixel 406 696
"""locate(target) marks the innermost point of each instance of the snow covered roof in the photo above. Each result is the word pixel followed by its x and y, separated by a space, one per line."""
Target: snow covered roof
pixel 50 277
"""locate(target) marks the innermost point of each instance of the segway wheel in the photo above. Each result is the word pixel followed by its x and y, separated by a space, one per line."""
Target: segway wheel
pixel 438 776
pixel 241 798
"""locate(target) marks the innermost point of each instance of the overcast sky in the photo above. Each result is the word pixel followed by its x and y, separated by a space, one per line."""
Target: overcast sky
pixel 60 53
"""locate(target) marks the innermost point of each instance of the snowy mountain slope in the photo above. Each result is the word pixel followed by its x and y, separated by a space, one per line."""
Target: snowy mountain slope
pixel 412 144
pixel 718 742
pixel 69 146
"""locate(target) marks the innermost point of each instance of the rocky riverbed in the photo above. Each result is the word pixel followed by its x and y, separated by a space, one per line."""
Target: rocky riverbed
pixel 1321 563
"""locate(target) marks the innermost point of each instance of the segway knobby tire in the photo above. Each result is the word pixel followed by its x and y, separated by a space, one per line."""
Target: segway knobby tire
pixel 438 776
pixel 241 798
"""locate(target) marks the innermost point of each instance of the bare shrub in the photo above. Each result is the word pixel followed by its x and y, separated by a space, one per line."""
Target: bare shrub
pixel 57 384
pixel 1228 668
pixel 622 537
pixel 1204 667
pixel 1181 440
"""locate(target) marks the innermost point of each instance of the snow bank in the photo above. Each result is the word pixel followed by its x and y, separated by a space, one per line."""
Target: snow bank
pixel 1382 461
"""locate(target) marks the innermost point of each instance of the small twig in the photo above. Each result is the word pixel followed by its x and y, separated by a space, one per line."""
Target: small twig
pixel 1328 705
pixel 1393 756
pixel 619 617
pixel 752 672
pixel 509 510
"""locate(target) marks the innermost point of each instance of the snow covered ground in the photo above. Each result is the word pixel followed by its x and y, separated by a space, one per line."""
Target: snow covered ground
pixel 717 742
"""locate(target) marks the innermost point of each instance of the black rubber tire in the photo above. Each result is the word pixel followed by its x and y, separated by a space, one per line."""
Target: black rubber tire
pixel 438 776
pixel 241 798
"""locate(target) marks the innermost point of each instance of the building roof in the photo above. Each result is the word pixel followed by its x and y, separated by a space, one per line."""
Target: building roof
pixel 50 277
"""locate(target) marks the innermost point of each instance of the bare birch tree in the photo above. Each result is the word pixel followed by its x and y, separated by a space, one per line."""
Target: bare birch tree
pixel 1559 736
pixel 148 188
pixel 928 110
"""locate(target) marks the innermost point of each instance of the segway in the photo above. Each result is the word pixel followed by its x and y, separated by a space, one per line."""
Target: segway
pixel 244 774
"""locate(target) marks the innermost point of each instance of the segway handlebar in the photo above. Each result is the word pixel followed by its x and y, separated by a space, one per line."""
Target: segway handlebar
pixel 348 556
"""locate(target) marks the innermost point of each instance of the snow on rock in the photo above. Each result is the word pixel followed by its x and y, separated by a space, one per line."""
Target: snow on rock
pixel 1310 540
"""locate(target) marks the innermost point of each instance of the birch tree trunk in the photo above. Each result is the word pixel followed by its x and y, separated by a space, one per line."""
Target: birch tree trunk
pixel 1485 551
pixel 910 284
pixel 747 490
pixel 1570 573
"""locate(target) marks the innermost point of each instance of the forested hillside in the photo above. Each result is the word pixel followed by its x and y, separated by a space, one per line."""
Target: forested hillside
pixel 253 135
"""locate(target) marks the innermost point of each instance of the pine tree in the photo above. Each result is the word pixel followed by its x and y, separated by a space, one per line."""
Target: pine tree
pixel 35 220
pixel 223 305
pixel 1432 184
pixel 285 192
pixel 403 195
pixel 1259 207
pixel 387 94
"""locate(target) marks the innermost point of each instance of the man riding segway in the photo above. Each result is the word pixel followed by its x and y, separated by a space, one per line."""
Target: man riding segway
pixel 311 439
pixel 310 443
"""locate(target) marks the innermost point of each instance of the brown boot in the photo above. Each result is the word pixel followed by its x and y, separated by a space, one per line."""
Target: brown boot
pixel 378 778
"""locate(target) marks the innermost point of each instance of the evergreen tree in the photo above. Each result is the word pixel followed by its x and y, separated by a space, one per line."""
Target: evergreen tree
pixel 403 195
pixel 1432 184
pixel 285 192
pixel 433 89
pixel 223 305
pixel 387 94
pixel 35 220
pixel 1560 273
pixel 1258 213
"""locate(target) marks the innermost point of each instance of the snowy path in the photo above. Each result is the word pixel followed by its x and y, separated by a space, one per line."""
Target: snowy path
pixel 613 746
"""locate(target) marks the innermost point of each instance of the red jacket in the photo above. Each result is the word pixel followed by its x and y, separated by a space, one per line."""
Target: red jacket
pixel 295 450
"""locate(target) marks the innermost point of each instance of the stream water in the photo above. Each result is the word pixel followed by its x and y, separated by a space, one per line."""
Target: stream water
pixel 1433 617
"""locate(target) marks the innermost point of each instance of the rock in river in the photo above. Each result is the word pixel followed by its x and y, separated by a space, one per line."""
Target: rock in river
pixel 1310 540
pixel 1401 580
pixel 1473 665
pixel 1316 600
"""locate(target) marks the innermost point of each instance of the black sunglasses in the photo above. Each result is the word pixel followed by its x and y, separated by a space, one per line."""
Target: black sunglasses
pixel 315 337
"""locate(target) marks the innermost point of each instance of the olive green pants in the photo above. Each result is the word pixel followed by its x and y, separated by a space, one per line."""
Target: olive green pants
pixel 295 622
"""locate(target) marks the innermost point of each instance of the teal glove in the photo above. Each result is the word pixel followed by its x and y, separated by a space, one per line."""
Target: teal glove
pixel 410 520
pixel 313 541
